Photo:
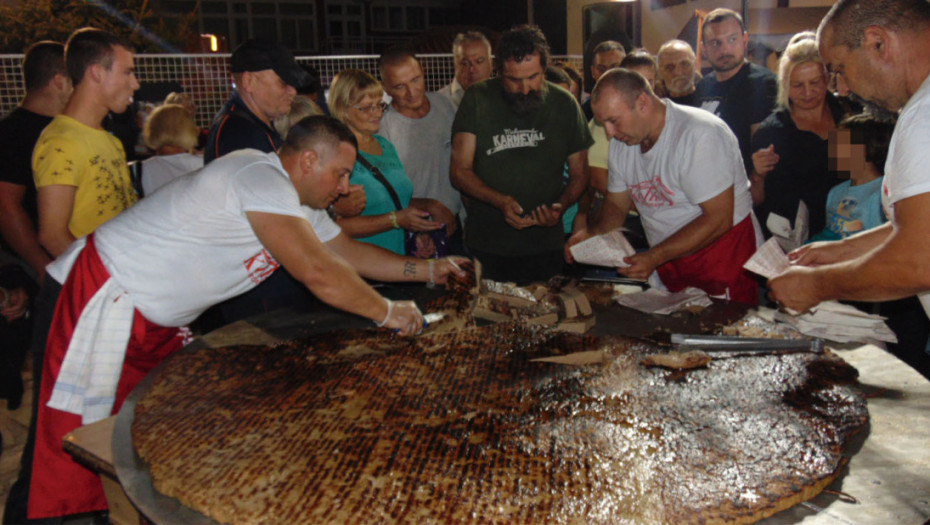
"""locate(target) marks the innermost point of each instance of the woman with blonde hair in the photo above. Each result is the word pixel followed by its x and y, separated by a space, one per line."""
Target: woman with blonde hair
pixel 170 132
pixel 790 163
pixel 355 99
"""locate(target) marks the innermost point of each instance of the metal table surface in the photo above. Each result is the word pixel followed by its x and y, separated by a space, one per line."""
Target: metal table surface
pixel 889 474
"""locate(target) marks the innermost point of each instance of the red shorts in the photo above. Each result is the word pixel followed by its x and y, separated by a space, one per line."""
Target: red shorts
pixel 718 268
pixel 60 486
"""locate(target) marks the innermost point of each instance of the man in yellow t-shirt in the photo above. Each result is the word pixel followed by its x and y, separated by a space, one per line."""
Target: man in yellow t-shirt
pixel 79 168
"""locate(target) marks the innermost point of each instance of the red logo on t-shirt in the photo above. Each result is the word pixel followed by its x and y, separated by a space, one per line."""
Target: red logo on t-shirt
pixel 652 193
pixel 260 266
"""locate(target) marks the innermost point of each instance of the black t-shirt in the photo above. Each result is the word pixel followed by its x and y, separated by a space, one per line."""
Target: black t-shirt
pixel 235 127
pixel 741 101
pixel 691 99
pixel 803 170
pixel 19 132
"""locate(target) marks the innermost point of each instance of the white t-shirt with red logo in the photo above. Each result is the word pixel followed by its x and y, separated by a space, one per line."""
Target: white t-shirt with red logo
pixel 906 172
pixel 695 159
pixel 189 245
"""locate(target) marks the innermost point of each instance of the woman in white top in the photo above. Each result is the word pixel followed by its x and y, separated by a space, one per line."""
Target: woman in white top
pixel 171 133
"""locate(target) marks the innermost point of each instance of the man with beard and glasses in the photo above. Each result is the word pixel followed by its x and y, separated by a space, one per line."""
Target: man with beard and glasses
pixel 738 91
pixel 678 73
pixel 511 138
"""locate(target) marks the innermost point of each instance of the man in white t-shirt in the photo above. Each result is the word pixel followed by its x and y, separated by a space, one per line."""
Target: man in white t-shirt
pixel 881 48
pixel 682 168
pixel 199 240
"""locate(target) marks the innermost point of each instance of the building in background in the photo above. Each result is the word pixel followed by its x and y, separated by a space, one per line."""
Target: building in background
pixel 311 27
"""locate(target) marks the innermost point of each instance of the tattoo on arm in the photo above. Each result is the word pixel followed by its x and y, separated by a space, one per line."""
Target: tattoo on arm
pixel 410 269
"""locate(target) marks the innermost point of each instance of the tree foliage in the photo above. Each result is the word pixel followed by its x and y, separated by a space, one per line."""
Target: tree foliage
pixel 29 21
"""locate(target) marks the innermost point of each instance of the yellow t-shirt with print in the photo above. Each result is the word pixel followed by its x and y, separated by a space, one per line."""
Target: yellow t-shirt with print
pixel 70 153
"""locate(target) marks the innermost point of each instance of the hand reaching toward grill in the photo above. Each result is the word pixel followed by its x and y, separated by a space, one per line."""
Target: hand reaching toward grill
pixel 440 269
pixel 405 317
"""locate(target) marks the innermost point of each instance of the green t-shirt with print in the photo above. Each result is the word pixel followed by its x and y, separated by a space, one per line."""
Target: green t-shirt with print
pixel 522 156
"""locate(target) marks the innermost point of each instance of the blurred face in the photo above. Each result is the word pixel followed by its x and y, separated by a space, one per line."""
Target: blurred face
pixel 119 81
pixel 725 45
pixel 365 117
pixel 807 87
pixel 846 158
pixel 604 62
pixel 621 122
pixel 270 95
pixel 472 64
pixel 406 85
pixel 329 176
pixel 676 69
pixel 522 82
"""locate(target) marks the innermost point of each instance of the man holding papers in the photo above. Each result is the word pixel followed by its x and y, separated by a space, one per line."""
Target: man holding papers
pixel 682 168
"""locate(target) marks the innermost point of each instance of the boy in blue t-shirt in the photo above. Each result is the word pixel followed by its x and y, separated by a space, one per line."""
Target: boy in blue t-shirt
pixel 858 147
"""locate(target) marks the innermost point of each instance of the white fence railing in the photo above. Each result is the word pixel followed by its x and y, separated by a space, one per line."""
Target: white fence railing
pixel 207 78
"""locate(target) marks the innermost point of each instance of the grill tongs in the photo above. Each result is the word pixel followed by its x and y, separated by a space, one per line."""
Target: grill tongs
pixel 737 346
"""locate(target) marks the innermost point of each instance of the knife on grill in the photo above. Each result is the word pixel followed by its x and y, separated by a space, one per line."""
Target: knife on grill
pixel 745 345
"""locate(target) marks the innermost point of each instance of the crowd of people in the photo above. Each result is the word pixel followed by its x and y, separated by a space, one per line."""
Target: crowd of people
pixel 510 164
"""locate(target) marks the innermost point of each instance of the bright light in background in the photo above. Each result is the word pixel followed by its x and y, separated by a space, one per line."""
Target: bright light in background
pixel 128 22
pixel 213 46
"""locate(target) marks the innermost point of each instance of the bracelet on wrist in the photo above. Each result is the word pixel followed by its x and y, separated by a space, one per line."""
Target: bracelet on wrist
pixel 390 309
pixel 393 216
pixel 432 281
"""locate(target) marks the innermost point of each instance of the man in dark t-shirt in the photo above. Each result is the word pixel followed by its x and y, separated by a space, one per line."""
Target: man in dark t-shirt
pixel 267 78
pixel 606 56
pixel 511 139
pixel 47 90
pixel 739 92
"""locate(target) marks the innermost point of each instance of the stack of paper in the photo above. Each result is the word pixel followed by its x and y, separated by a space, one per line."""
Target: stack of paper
pixel 839 322
pixel 662 302
pixel 607 249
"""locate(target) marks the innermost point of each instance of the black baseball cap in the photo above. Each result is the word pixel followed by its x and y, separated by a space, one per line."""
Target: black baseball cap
pixel 259 55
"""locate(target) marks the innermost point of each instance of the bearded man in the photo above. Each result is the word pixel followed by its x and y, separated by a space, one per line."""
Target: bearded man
pixel 511 139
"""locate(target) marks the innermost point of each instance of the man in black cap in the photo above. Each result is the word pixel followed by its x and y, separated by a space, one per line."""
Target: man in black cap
pixel 267 78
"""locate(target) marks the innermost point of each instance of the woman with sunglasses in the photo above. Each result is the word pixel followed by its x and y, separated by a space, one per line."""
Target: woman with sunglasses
pixel 355 99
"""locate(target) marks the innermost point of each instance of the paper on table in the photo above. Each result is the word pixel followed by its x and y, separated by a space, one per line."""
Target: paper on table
pixel 607 249
pixel 840 322
pixel 769 260
pixel 586 357
pixel 662 302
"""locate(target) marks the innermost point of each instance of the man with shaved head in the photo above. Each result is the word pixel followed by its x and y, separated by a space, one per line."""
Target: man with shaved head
pixel 682 168
pixel 419 124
